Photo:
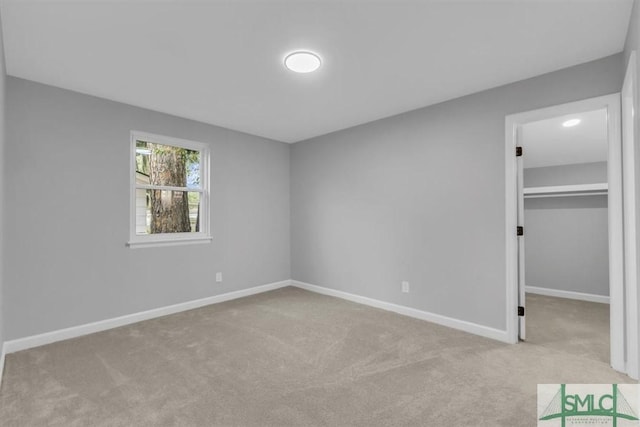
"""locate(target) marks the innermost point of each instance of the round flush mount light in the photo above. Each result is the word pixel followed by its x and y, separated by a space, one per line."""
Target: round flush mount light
pixel 571 123
pixel 302 62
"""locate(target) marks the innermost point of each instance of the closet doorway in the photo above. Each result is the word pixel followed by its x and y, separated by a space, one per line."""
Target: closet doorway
pixel 564 228
pixel 566 247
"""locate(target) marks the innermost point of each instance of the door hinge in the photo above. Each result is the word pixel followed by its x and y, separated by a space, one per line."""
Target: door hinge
pixel 520 311
pixel 518 151
pixel 520 230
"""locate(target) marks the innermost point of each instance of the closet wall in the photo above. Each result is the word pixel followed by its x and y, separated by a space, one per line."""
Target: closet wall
pixel 566 245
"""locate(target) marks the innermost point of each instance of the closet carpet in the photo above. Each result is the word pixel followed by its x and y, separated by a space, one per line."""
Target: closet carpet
pixel 294 358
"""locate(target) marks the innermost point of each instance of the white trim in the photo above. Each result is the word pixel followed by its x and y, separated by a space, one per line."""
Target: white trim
pixel 172 242
pixel 168 188
pixel 566 190
pixel 567 294
pixel 616 271
pixel 168 140
pixel 616 237
pixel 170 239
pixel 630 165
pixel 462 325
pixel 77 331
pixel 522 297
pixel 2 359
pixel 511 222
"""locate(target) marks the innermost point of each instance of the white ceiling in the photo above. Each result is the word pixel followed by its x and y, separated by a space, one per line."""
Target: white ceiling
pixel 220 62
pixel 548 143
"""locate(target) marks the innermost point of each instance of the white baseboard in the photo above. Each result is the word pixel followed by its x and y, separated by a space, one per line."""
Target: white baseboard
pixel 25 343
pixel 450 322
pixel 567 294
pixel 76 331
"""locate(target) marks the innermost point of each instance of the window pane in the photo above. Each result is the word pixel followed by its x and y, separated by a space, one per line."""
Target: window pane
pixel 159 164
pixel 159 211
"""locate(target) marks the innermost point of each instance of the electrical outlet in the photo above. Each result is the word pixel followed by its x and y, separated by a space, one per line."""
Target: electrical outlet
pixel 405 287
pixel 218 277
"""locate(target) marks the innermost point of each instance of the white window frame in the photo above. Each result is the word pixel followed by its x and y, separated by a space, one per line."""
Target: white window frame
pixel 169 239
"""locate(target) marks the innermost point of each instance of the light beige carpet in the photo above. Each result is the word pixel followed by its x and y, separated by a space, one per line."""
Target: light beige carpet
pixel 575 327
pixel 294 358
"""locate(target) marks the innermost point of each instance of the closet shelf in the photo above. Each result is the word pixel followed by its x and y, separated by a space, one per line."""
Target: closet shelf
pixel 566 190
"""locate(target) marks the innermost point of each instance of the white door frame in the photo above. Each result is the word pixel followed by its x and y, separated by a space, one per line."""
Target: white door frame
pixel 513 124
pixel 630 165
pixel 521 302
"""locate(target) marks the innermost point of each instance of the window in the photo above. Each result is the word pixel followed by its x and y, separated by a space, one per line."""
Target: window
pixel 169 191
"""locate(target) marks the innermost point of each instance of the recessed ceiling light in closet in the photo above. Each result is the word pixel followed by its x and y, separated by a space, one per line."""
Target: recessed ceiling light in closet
pixel 302 62
pixel 571 123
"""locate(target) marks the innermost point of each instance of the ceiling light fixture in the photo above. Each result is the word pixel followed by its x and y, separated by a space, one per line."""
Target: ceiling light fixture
pixel 302 62
pixel 571 123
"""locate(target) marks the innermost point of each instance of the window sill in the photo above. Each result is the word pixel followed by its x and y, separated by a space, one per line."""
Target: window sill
pixel 135 244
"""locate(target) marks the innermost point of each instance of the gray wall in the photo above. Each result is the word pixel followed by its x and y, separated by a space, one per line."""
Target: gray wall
pixel 3 79
pixel 633 43
pixel 67 211
pixel 581 173
pixel 567 238
pixel 633 38
pixel 420 197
